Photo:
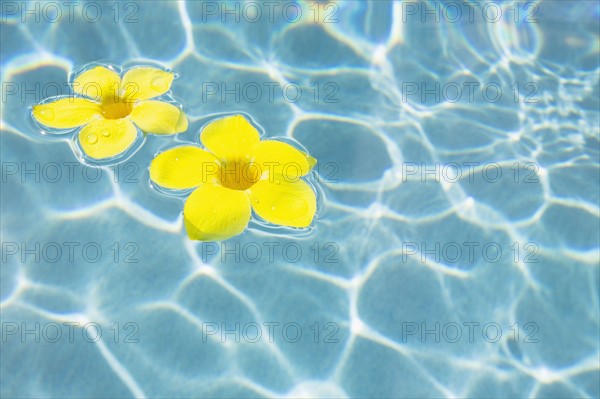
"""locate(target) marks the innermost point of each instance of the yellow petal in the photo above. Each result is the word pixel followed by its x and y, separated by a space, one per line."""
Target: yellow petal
pixel 67 113
pixel 279 158
pixel 143 83
pixel 213 213
pixel 184 167
pixel 106 138
pixel 230 138
pixel 282 202
pixel 159 117
pixel 99 82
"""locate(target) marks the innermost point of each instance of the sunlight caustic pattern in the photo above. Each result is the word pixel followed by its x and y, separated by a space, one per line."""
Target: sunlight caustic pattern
pixel 370 210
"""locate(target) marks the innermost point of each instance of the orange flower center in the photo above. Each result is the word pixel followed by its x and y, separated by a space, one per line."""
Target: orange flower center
pixel 239 175
pixel 116 108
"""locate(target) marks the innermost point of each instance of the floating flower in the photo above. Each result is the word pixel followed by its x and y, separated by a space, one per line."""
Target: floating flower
pixel 237 173
pixel 110 107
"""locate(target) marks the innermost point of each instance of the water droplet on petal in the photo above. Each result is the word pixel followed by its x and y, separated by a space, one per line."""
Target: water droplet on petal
pixel 105 133
pixel 92 138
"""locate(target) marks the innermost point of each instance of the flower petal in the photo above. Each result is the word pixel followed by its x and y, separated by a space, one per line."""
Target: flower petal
pixel 213 213
pixel 230 138
pixel 143 83
pixel 106 138
pixel 184 167
pixel 67 112
pixel 159 117
pixel 279 201
pixel 280 158
pixel 98 83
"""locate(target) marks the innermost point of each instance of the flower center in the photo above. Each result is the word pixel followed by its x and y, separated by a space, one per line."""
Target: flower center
pixel 116 108
pixel 239 175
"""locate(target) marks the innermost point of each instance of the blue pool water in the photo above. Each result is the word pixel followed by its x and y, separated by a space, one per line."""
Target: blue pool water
pixel 455 251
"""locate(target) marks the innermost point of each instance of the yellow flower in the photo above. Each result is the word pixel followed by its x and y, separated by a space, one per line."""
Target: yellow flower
pixel 109 108
pixel 237 173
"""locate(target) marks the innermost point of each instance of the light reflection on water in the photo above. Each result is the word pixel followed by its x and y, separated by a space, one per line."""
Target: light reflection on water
pixel 402 241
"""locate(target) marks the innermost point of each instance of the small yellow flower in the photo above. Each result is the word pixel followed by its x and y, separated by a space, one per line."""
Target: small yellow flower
pixel 109 108
pixel 235 174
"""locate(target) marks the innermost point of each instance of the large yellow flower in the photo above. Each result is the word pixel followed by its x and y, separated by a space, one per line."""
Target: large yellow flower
pixel 237 173
pixel 109 107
